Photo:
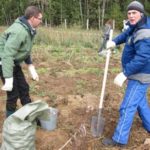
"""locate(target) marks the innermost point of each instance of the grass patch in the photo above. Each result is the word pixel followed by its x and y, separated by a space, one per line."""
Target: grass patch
pixel 68 37
pixel 115 70
pixel 74 72
pixel 80 86
pixel 42 70
pixel 68 52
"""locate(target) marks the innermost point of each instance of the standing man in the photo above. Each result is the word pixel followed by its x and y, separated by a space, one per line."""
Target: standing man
pixel 136 69
pixel 15 47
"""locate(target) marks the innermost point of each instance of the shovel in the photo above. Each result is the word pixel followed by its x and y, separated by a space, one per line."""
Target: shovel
pixel 97 124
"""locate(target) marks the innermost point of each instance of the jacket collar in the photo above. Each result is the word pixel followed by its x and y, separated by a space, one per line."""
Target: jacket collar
pixel 24 21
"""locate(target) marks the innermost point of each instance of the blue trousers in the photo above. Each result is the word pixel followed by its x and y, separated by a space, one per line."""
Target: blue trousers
pixel 135 99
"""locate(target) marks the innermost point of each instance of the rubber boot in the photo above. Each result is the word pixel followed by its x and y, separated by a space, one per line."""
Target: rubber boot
pixel 110 142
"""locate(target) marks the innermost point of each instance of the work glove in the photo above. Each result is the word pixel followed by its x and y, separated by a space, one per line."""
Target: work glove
pixel 8 86
pixel 110 45
pixel 119 79
pixel 33 73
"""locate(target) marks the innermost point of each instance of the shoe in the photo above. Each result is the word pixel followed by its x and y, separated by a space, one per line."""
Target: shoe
pixel 110 142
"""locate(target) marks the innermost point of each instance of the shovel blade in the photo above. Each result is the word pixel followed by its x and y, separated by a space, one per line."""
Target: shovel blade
pixel 97 127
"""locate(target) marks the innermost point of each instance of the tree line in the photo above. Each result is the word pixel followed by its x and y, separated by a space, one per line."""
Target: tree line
pixel 71 12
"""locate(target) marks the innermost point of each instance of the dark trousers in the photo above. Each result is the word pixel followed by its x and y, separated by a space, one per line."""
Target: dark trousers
pixel 20 89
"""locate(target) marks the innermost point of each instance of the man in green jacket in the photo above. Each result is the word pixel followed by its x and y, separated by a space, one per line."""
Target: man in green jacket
pixel 15 48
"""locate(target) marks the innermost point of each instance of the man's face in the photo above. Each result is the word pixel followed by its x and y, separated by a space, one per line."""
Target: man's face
pixel 134 16
pixel 36 21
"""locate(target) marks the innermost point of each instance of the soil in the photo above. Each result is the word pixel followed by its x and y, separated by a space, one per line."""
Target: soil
pixel 76 108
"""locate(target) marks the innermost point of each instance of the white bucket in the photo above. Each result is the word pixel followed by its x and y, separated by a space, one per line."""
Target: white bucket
pixel 51 123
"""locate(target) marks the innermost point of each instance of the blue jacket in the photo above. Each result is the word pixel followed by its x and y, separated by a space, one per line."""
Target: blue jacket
pixel 136 53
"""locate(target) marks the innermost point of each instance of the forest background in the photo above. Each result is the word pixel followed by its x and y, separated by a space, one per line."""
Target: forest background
pixel 89 14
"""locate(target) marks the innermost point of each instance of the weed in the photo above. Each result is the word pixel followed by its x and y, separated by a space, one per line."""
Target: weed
pixel 42 70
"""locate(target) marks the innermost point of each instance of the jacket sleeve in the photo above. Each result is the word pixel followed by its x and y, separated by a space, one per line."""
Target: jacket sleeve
pixel 12 45
pixel 121 38
pixel 28 60
pixel 141 58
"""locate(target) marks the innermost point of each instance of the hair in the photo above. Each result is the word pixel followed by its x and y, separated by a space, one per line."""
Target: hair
pixel 32 11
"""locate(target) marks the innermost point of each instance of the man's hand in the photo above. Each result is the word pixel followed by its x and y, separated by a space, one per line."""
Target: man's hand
pixel 119 79
pixel 8 86
pixel 33 72
pixel 110 44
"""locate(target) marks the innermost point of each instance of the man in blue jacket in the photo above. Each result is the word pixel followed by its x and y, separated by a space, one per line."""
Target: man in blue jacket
pixel 135 69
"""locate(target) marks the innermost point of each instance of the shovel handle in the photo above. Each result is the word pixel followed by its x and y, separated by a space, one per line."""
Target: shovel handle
pixel 105 73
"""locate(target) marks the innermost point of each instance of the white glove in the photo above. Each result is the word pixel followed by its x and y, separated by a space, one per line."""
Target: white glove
pixel 8 86
pixel 110 44
pixel 119 79
pixel 33 73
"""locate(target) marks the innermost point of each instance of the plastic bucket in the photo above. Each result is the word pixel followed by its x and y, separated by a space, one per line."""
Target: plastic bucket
pixel 51 123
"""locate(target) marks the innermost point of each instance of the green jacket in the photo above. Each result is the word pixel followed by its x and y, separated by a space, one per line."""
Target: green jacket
pixel 15 46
